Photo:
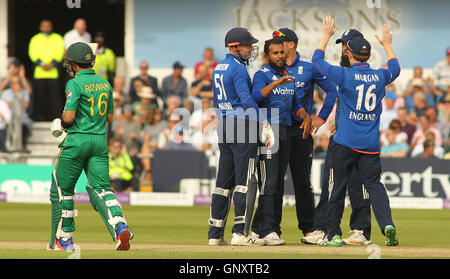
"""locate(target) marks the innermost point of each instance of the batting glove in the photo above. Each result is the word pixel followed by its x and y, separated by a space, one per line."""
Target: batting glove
pixel 56 128
pixel 267 134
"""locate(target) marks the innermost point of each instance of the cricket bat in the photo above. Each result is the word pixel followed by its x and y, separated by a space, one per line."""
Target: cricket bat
pixel 252 189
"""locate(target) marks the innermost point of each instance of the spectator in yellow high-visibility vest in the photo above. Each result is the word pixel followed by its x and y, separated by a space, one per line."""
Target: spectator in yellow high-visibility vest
pixel 46 51
pixel 105 59
pixel 121 167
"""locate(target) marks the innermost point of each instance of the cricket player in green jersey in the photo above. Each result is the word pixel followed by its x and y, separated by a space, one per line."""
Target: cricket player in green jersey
pixel 89 105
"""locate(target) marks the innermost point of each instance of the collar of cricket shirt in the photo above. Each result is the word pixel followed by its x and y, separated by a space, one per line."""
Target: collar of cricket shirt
pixel 239 60
pixel 360 65
pixel 297 58
pixel 86 72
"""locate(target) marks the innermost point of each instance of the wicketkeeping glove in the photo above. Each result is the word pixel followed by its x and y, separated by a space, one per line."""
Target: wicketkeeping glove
pixel 56 128
pixel 267 135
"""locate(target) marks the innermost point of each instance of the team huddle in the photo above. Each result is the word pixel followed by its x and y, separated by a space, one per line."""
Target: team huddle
pixel 280 97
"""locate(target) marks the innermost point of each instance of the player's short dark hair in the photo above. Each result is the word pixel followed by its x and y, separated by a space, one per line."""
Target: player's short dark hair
pixel 273 41
pixel 361 58
pixel 83 65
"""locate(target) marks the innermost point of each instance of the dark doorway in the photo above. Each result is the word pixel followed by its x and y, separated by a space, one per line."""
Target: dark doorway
pixel 107 16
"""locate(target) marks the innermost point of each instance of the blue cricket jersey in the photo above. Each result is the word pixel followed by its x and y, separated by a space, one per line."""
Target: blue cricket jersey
pixel 232 89
pixel 306 75
pixel 281 97
pixel 361 90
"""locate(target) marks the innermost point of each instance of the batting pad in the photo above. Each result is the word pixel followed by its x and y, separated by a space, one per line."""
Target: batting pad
pixel 63 224
pixel 109 208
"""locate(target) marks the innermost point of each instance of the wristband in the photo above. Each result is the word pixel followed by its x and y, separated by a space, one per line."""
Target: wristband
pixel 65 125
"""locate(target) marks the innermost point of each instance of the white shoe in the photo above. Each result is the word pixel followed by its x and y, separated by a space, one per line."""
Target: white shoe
pixel 273 239
pixel 239 239
pixel 314 237
pixel 357 238
pixel 217 242
pixel 258 241
pixel 323 241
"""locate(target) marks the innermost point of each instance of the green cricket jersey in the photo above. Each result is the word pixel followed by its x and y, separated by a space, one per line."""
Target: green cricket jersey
pixel 91 97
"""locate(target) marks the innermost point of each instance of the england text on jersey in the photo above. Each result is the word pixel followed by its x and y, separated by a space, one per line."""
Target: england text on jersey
pixel 362 116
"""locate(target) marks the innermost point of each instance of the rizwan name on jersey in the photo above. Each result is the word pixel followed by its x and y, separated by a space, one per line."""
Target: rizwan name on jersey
pixel 95 87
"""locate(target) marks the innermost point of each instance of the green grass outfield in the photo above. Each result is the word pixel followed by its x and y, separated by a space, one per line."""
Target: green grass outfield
pixel 181 233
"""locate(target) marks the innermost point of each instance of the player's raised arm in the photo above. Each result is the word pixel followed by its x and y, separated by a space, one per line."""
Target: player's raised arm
pixel 328 30
pixel 385 40
pixel 334 73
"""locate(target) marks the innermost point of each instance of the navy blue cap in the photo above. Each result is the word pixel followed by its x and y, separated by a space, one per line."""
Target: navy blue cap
pixel 239 36
pixel 349 35
pixel 359 46
pixel 286 34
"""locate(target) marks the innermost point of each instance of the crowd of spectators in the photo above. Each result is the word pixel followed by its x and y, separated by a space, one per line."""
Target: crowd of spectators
pixel 15 122
pixel 162 120
pixel 175 115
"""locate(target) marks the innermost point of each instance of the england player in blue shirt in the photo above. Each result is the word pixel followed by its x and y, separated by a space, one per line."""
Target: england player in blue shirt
pixel 238 117
pixel 357 141
pixel 360 218
pixel 306 75
pixel 273 89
